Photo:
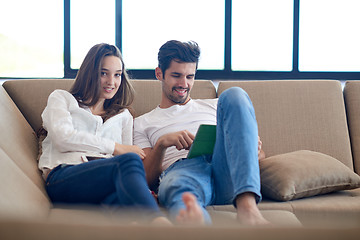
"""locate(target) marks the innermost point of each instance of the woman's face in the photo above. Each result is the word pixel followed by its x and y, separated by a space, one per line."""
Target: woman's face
pixel 110 77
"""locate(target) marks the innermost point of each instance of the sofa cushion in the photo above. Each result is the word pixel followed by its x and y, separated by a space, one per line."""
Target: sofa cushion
pixel 150 92
pixel 352 102
pixel 275 217
pixel 299 114
pixel 18 139
pixel 304 173
pixel 30 95
pixel 341 208
pixel 20 197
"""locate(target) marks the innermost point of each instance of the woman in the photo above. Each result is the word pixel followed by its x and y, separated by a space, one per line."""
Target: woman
pixel 87 156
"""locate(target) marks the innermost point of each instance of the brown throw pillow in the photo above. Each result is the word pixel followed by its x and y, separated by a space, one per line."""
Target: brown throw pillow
pixel 304 173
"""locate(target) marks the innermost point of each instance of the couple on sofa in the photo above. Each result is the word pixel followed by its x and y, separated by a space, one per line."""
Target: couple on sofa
pixel 88 155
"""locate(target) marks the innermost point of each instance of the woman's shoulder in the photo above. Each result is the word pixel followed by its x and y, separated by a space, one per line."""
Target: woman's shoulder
pixel 124 114
pixel 60 95
pixel 61 92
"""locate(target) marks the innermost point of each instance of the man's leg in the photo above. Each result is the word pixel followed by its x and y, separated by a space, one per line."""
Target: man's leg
pixel 235 159
pixel 191 177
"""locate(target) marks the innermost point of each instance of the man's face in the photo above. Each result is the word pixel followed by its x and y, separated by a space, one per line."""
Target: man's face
pixel 176 83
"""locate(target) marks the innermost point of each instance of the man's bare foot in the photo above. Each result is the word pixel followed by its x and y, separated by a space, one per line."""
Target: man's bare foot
pixel 161 221
pixel 193 213
pixel 247 211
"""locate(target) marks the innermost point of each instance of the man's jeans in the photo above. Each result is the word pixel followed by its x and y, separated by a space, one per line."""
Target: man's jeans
pixel 118 181
pixel 231 170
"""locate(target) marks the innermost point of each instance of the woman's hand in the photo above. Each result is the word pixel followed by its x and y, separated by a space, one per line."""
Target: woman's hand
pixel 121 149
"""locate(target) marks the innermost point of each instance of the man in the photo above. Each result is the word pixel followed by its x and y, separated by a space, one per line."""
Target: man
pixel 230 174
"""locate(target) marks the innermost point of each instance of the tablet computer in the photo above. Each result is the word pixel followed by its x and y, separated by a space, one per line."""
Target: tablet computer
pixel 204 141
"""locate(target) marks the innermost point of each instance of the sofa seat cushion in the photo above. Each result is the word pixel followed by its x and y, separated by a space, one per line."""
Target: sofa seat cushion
pixel 20 197
pixel 304 173
pixel 83 214
pixel 337 209
pixel 277 218
pixel 334 209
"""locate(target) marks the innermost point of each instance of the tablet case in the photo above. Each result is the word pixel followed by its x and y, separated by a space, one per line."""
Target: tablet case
pixel 204 141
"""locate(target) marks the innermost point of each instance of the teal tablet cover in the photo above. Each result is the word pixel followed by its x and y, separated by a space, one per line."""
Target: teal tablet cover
pixel 204 141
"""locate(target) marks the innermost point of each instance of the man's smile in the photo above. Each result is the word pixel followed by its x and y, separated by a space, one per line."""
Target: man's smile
pixel 181 91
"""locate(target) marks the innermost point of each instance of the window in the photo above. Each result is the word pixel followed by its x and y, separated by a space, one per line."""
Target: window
pixel 91 22
pixel 262 35
pixel 329 37
pixel 31 38
pixel 146 25
pixel 239 39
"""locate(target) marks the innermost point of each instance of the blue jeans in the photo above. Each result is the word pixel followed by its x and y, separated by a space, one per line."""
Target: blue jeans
pixel 233 168
pixel 118 181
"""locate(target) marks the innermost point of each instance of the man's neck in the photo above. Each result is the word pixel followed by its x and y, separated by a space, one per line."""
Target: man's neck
pixel 168 104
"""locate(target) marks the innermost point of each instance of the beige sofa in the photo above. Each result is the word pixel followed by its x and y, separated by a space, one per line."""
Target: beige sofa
pixel 292 115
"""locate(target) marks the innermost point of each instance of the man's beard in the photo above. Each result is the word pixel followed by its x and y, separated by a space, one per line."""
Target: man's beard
pixel 176 99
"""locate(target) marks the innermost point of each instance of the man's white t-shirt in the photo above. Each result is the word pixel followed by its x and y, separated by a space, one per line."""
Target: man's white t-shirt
pixel 149 127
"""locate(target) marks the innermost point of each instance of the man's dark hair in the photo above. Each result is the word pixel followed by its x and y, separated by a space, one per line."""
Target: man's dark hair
pixel 188 52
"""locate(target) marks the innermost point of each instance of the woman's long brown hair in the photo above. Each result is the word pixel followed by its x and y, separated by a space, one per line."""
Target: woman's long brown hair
pixel 86 88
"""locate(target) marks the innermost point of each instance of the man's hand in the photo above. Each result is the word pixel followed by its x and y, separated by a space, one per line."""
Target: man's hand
pixel 181 140
pixel 155 156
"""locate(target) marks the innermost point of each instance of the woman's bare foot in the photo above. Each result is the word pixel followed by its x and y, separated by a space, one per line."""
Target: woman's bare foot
pixel 193 213
pixel 247 211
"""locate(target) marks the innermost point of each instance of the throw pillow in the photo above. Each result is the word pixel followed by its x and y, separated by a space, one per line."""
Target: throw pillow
pixel 304 173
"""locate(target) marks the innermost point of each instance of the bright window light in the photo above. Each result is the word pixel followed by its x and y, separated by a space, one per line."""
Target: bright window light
pixel 329 36
pixel 146 25
pixel 31 38
pixel 92 22
pixel 262 35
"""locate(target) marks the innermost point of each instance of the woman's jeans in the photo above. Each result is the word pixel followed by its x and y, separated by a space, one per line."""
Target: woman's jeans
pixel 118 181
pixel 231 170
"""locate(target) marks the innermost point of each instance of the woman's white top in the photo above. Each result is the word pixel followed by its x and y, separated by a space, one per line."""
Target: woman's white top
pixel 74 132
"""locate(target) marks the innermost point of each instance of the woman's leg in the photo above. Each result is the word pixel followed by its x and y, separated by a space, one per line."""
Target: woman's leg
pixel 117 181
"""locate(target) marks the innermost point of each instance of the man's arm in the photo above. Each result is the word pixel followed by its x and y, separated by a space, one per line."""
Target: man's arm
pixel 155 156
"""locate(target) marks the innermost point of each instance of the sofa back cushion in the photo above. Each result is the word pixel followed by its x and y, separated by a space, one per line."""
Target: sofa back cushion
pixel 148 93
pixel 18 139
pixel 352 102
pixel 299 115
pixel 31 95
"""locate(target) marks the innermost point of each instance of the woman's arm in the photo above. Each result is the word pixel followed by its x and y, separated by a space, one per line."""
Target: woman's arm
pixel 58 121
pixel 127 128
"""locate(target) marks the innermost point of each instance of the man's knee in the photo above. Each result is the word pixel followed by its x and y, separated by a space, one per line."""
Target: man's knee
pixel 234 95
pixel 172 187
